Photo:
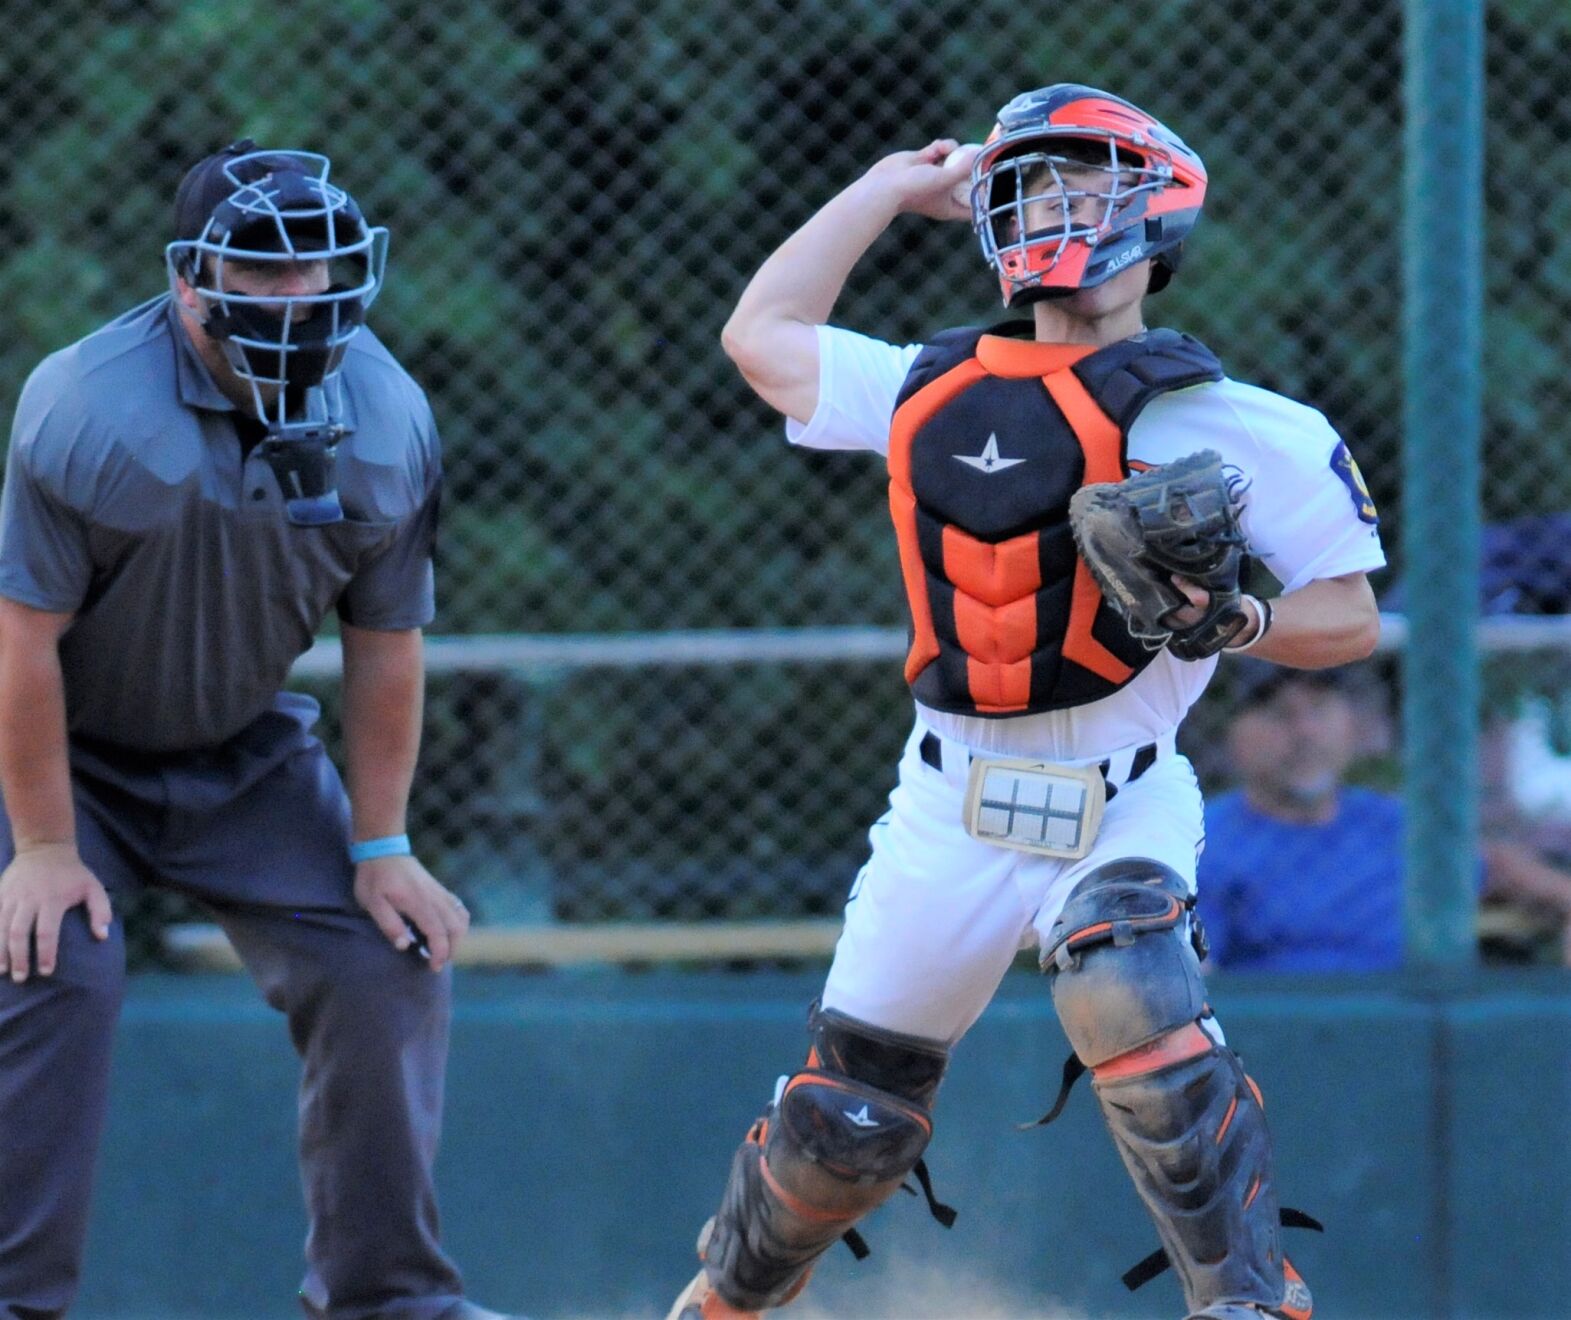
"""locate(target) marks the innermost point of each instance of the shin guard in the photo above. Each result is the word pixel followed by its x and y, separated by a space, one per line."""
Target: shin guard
pixel 1186 1120
pixel 1194 1139
pixel 831 1147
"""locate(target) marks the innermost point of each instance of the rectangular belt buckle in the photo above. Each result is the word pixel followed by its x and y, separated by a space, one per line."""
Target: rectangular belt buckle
pixel 1035 806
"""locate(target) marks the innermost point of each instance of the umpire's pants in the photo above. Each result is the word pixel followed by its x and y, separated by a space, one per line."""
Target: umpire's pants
pixel 258 831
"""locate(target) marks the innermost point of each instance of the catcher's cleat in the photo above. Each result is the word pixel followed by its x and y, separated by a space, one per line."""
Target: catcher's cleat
pixel 1296 1305
pixel 700 1301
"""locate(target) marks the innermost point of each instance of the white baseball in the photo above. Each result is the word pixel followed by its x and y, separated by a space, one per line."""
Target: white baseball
pixel 961 192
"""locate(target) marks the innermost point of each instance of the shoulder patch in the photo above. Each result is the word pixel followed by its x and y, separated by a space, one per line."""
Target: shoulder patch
pixel 1346 469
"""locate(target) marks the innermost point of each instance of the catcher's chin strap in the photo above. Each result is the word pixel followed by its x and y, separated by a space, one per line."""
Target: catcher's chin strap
pixel 1148 1267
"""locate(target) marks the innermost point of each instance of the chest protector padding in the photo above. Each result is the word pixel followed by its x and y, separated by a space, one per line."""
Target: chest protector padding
pixel 992 434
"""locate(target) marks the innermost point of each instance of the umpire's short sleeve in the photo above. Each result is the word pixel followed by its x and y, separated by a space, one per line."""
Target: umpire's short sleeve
pixel 45 556
pixel 394 587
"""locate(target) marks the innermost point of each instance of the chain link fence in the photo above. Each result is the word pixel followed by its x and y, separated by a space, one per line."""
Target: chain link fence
pixel 577 194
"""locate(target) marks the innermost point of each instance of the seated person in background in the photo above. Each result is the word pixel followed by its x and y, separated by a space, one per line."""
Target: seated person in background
pixel 1301 872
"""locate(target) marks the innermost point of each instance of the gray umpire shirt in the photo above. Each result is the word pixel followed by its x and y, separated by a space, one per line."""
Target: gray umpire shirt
pixel 129 504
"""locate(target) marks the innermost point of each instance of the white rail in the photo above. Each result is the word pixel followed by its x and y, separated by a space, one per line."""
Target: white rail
pixel 203 947
pixel 731 646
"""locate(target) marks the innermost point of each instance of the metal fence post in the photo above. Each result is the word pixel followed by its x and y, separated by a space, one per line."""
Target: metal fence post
pixel 1442 266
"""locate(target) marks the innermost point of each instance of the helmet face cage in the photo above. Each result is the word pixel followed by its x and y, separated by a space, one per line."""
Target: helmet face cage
pixel 283 211
pixel 1029 206
pixel 1075 185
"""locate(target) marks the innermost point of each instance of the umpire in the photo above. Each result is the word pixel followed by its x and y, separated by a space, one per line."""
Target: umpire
pixel 189 490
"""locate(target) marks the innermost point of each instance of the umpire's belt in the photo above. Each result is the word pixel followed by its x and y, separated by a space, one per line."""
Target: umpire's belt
pixel 953 760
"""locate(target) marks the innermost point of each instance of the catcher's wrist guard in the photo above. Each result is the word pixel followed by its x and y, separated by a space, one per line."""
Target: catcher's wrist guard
pixel 1263 614
pixel 1177 520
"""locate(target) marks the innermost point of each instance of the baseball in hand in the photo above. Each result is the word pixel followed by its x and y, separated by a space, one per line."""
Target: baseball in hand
pixel 961 192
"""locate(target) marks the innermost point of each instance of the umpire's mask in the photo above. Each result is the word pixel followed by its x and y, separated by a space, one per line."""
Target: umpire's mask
pixel 269 223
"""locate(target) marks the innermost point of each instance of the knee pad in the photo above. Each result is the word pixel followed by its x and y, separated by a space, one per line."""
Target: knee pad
pixel 831 1147
pixel 908 1066
pixel 1124 960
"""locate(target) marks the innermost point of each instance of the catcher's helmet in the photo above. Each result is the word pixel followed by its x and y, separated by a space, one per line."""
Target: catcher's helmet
pixel 1074 185
pixel 251 206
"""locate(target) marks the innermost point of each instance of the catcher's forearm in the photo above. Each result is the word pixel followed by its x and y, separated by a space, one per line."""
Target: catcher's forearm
pixel 1329 622
pixel 772 335
pixel 803 277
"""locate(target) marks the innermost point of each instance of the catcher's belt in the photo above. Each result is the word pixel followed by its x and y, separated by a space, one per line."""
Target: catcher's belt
pixel 1038 806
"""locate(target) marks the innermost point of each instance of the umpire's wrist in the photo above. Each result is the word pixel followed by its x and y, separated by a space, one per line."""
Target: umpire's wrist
pixel 388 845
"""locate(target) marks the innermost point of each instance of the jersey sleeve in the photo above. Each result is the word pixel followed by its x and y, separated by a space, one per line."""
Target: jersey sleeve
pixel 394 588
pixel 45 555
pixel 1307 514
pixel 1312 517
pixel 859 379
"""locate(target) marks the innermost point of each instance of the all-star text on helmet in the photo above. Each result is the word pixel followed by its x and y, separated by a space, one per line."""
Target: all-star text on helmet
pixel 249 207
pixel 1074 185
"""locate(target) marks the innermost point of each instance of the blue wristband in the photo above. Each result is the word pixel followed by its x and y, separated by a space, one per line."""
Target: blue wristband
pixel 394 845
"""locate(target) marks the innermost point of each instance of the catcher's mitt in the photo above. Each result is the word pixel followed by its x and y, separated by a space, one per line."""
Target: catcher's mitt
pixel 1179 518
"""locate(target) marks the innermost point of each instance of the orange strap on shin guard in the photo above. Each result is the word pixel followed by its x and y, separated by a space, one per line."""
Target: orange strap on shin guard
pixel 1185 1042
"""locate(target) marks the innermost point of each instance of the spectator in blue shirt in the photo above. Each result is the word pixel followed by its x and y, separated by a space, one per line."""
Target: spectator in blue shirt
pixel 1302 872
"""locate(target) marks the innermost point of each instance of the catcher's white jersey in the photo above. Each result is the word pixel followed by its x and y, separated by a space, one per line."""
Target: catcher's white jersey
pixel 936 917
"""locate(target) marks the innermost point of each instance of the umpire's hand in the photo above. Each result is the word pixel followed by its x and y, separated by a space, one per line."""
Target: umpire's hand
pixel 399 893
pixel 43 883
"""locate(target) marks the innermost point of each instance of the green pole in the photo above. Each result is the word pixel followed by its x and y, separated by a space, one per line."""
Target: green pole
pixel 1442 236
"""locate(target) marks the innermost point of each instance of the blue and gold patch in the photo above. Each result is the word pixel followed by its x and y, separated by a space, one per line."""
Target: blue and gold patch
pixel 1346 469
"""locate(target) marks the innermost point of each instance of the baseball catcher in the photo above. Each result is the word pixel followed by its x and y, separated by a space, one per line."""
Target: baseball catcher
pixel 1073 494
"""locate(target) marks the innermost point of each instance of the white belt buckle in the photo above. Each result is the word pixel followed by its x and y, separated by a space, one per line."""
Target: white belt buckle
pixel 1035 806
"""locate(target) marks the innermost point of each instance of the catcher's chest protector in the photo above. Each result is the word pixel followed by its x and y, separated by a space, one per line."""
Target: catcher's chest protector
pixel 992 434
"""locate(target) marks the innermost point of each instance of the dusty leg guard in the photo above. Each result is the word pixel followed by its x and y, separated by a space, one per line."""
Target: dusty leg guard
pixel 1186 1120
pixel 837 1142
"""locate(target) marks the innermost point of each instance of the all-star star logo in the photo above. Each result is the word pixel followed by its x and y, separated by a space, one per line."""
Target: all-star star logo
pixel 988 460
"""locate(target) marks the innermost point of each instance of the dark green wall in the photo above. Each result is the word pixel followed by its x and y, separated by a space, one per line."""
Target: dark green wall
pixel 592 1116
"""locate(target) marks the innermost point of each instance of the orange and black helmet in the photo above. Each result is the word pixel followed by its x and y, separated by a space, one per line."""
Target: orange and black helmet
pixel 1074 185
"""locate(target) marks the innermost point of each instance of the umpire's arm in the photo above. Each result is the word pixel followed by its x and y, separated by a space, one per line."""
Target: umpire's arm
pixel 35 771
pixel 384 702
pixel 45 878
